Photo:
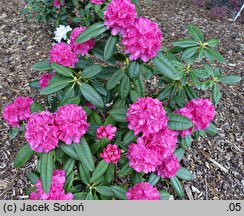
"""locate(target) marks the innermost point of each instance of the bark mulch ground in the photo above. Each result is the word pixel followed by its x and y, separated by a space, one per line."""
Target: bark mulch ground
pixel 216 162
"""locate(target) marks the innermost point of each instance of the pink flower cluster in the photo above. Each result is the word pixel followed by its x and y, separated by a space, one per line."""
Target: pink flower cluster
pixel 111 154
pixel 142 37
pixel 56 191
pixel 157 143
pixel 200 111
pixel 57 3
pixel 143 191
pixel 44 80
pixel 106 132
pixel 81 48
pixel 18 111
pixel 45 129
pixel 98 2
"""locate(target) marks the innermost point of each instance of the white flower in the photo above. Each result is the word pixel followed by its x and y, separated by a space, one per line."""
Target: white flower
pixel 60 33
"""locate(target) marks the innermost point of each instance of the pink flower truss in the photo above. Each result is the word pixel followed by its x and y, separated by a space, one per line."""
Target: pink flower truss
pixel 169 167
pixel 119 15
pixel 56 191
pixel 146 116
pixel 142 40
pixel 43 82
pixel 81 48
pixel 18 111
pixel 200 111
pixel 71 120
pixel 98 2
pixel 111 154
pixel 106 132
pixel 143 191
pixel 57 3
pixel 61 53
pixel 41 132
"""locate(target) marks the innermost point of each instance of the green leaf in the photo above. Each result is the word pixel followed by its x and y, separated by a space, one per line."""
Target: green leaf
pixel 36 107
pixel 72 100
pixel 79 196
pixel 211 130
pixel 139 86
pixel 46 161
pixel 13 132
pixel 114 80
pixel 91 71
pixel 165 93
pixel 119 192
pixel 213 42
pixel 33 176
pixel 164 195
pixel 186 142
pixel 84 153
pixel 23 156
pixel 153 179
pixel 99 171
pixel 84 174
pixel 91 32
pixel 99 88
pixel 134 69
pixel 177 187
pixel 84 63
pixel 215 54
pixel 42 65
pixel 179 122
pixel 136 178
pixel 179 153
pixel 201 73
pixel 165 67
pixel 184 174
pixel 189 52
pixel 68 166
pixel 129 137
pixel 69 181
pixel 35 84
pixel 185 43
pixel 134 95
pixel 110 47
pixel 190 92
pixel 91 95
pixel 89 196
pixel 64 71
pixel 196 33
pixel 125 170
pixel 69 150
pixel 216 94
pixel 105 190
pixel 109 174
pixel 124 87
pixel 119 114
pixel 230 79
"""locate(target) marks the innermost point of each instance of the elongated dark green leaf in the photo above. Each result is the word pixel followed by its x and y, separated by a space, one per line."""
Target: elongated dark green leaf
pixel 90 196
pixel 184 174
pixel 35 84
pixel 216 94
pixel 211 130
pixel 177 187
pixel 68 166
pixel 99 88
pixel 33 176
pixel 200 73
pixel 46 172
pixel 164 195
pixel 129 137
pixel 91 71
pixel 134 69
pixel 23 156
pixel 114 80
pixel 69 150
pixel 185 43
pixel 213 42
pixel 230 79
pixel 109 174
pixel 119 114
pixel 91 95
pixel 186 142
pixel 119 192
pixel 72 100
pixel 105 190
pixel 84 174
pixel 179 122
pixel 124 87
pixel 134 95
pixel 69 181
pixel 99 171
pixel 153 179
pixel 136 178
pixel 189 52
pixel 165 67
pixel 36 107
pixel 42 65
pixel 110 47
pixel 215 54
pixel 91 32
pixel 139 86
pixel 84 63
pixel 125 170
pixel 13 132
pixel 179 153
pixel 195 32
pixel 98 51
pixel 64 71
pixel 190 92
pixel 79 196
pixel 165 93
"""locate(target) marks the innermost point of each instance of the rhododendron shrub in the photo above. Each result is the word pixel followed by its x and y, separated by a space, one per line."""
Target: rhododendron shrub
pixel 100 126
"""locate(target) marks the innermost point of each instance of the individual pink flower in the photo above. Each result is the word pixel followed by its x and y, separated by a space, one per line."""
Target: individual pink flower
pixel 44 80
pixel 71 121
pixel 146 116
pixel 169 167
pixel 142 39
pixel 57 3
pixel 119 15
pixel 81 48
pixel 143 191
pixel 18 111
pixel 111 154
pixel 56 192
pixel 200 112
pixel 41 132
pixel 97 2
pixel 90 106
pixel 61 53
pixel 106 132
